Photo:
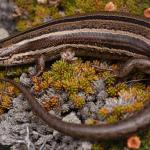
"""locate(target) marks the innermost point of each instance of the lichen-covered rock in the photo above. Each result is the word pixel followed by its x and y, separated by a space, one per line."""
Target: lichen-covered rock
pixel 101 96
pixel 3 33
pixel 99 85
pixel 24 79
pixel 72 118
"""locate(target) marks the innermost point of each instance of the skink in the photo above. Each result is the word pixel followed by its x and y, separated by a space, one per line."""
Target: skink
pixel 106 35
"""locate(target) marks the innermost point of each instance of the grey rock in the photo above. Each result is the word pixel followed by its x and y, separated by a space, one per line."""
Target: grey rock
pixel 84 112
pixel 64 96
pixel 51 92
pixel 3 33
pixel 67 139
pixel 32 71
pixel 99 85
pixel 72 118
pixel 65 108
pixel 25 80
pixel 102 95
pixel 82 94
pixel 93 108
pixel 85 146
pixel 90 98
pixel 7 11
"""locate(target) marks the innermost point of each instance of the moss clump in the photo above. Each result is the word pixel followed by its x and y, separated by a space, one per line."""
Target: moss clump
pixel 70 77
pixel 34 14
pixel 51 103
pixel 78 101
pixel 129 100
pixel 98 147
pixel 7 93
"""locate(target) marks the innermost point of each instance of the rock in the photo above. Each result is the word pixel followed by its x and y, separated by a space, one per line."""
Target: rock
pixel 50 92
pixel 3 33
pixel 99 85
pixel 72 118
pixel 32 71
pixel 25 80
pixel 82 94
pixel 102 95
pixel 42 1
pixel 92 107
pixel 90 98
pixel 54 2
pixel 7 15
pixel 65 108
pixel 84 112
pixel 85 146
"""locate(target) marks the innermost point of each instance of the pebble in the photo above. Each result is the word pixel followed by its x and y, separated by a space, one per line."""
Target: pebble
pixel 93 108
pixel 65 108
pixel 82 94
pixel 85 146
pixel 90 98
pixel 32 71
pixel 42 1
pixel 99 85
pixel 25 80
pixel 72 118
pixel 84 113
pixel 3 33
pixel 102 95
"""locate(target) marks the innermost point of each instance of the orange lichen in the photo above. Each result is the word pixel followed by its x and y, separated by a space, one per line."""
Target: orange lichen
pixel 110 6
pixel 103 111
pixel 147 13
pixel 134 142
pixel 51 103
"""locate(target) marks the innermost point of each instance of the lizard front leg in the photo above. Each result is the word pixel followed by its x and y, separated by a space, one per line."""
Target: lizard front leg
pixel 40 65
pixel 139 64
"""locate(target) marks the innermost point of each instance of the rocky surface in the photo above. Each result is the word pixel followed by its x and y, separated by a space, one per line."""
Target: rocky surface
pixel 8 12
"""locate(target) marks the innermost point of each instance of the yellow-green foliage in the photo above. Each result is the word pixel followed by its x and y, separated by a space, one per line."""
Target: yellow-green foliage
pixel 51 103
pixel 6 94
pixel 114 90
pixel 71 77
pixel 78 101
pixel 138 92
pixel 98 147
pixel 12 72
pixel 36 13
pixel 109 78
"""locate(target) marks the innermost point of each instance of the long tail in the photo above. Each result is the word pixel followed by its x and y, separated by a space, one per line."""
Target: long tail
pixel 86 132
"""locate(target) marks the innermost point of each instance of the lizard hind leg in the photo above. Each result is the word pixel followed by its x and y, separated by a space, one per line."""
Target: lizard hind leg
pixel 40 65
pixel 142 65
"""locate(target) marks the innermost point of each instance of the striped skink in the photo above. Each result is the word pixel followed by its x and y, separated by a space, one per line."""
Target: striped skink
pixel 104 35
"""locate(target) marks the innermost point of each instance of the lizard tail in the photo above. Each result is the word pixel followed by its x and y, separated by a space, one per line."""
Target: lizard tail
pixel 93 133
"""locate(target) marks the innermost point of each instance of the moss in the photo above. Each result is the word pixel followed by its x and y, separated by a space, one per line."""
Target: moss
pixel 78 101
pixel 145 140
pixel 112 91
pixel 109 78
pixel 22 25
pixel 71 77
pixel 51 103
pixel 98 147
